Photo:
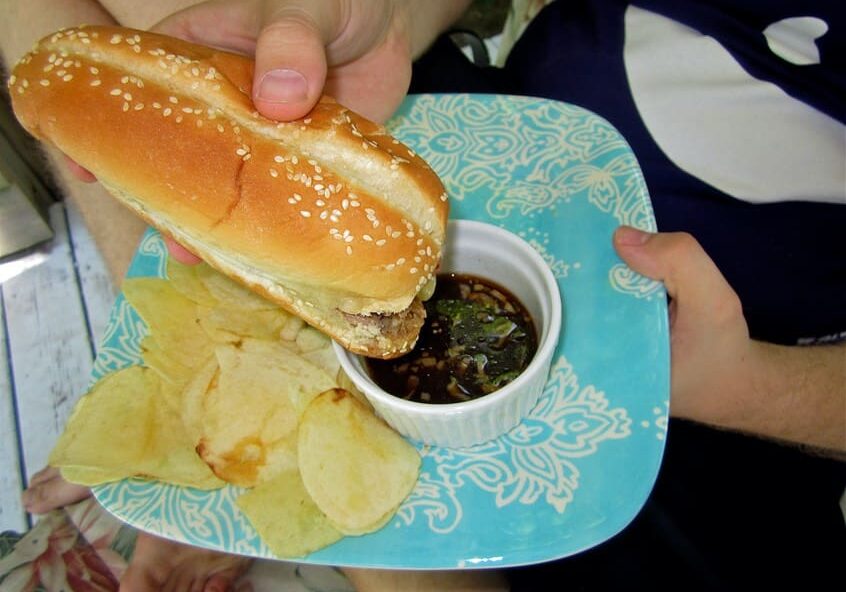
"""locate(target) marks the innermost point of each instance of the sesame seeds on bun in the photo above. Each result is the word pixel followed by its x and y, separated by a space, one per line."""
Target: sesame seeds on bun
pixel 328 215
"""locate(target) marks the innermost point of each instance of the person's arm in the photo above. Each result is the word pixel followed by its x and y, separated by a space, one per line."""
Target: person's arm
pixel 798 394
pixel 723 378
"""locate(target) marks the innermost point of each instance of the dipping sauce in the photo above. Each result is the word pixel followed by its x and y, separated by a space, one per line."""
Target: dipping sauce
pixel 476 339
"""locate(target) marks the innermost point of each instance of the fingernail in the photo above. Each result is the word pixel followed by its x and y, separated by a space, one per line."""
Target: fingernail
pixel 626 235
pixel 283 86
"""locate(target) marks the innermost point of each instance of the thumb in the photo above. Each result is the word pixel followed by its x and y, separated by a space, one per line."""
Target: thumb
pixel 291 59
pixel 287 39
pixel 679 261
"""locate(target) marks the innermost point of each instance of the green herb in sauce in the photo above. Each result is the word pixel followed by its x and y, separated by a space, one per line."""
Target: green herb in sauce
pixel 477 338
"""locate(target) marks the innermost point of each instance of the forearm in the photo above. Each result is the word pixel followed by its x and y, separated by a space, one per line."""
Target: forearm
pixel 24 23
pixel 796 394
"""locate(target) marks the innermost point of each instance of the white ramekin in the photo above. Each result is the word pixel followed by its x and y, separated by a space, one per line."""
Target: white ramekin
pixel 490 252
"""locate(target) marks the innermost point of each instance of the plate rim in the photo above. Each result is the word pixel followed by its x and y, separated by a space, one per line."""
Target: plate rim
pixel 656 461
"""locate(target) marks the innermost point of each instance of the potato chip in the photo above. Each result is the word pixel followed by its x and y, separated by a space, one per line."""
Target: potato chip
pixel 124 427
pixel 194 397
pixel 167 366
pixel 346 383
pixel 195 476
pixel 187 280
pixel 233 294
pixel 226 324
pixel 171 319
pixel 316 347
pixel 178 462
pixel 355 468
pixel 310 339
pixel 325 359
pixel 292 328
pixel 236 389
pixel 89 476
pixel 250 415
pixel 304 380
pixel 286 518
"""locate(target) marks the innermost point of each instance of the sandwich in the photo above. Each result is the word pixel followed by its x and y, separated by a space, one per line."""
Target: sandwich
pixel 329 215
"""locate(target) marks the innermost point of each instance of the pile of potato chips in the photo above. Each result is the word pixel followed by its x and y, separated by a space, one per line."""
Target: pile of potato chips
pixel 235 390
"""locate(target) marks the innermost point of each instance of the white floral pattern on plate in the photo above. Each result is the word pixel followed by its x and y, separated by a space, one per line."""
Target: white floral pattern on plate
pixel 579 468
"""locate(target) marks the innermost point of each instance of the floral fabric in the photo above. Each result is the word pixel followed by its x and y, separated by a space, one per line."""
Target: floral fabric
pixel 83 548
pixel 78 548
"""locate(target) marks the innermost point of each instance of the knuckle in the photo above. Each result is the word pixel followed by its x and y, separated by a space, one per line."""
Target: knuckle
pixel 682 244
pixel 298 18
pixel 728 307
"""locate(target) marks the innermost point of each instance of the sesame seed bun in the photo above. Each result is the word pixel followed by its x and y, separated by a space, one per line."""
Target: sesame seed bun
pixel 329 215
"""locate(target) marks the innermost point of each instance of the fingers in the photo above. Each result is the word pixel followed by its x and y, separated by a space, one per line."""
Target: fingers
pixel 677 259
pixel 180 253
pixel 709 337
pixel 48 490
pixel 232 25
pixel 45 474
pixel 293 43
pixel 291 58
pixel 78 171
pixel 288 40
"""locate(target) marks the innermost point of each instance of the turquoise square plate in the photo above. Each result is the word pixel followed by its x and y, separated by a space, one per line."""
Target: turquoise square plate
pixel 581 466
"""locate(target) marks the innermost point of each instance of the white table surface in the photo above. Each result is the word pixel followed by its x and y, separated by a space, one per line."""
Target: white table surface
pixel 54 305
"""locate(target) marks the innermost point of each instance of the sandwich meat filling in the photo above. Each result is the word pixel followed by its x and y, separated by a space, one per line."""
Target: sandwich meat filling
pixel 399 327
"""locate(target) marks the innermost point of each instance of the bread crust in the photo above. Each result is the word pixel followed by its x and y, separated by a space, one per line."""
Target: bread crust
pixel 329 215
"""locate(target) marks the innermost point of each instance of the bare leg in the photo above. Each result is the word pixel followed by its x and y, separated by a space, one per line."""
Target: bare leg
pixel 372 580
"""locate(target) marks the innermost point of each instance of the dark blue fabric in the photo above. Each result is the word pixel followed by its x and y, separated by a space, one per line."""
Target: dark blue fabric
pixel 739 24
pixel 728 512
pixel 787 261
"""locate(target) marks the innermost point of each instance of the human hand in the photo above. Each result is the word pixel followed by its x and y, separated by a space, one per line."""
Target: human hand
pixel 358 51
pixel 722 377
pixel 48 490
pixel 712 353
